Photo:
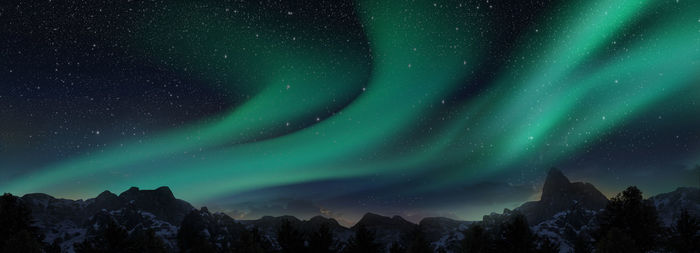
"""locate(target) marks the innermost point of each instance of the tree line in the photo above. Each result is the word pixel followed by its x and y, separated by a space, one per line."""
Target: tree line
pixel 628 224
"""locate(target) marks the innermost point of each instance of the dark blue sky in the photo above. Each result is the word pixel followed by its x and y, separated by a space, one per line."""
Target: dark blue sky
pixel 338 108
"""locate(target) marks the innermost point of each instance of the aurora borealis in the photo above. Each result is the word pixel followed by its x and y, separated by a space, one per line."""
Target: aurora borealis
pixel 451 108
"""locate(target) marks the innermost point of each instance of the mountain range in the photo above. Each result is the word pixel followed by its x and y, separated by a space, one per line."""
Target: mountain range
pixel 565 210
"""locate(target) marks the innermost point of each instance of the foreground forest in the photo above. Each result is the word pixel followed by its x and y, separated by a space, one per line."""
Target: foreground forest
pixel 627 224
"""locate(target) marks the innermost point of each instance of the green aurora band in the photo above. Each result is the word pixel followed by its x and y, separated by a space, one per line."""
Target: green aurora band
pixel 566 88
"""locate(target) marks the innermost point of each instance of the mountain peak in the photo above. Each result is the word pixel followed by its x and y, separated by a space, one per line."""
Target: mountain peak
pixel 370 215
pixel 372 218
pixel 555 183
pixel 560 194
pixel 321 219
pixel 673 203
pixel 385 228
pixel 106 195
pixel 160 202
pixel 318 218
pixel 131 191
pixel 555 175
pixel 164 192
pixel 376 220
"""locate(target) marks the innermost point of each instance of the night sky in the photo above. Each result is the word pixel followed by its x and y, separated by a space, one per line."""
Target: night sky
pixel 417 108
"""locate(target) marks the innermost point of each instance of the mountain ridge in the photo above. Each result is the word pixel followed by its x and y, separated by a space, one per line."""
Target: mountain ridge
pixel 565 208
pixel 559 194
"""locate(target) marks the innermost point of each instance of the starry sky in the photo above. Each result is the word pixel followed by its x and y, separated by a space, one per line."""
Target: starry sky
pixel 338 107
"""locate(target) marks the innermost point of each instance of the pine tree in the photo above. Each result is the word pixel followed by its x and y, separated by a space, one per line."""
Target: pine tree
pixel 289 239
pixel 363 242
pixel 21 242
pixel 396 248
pixel 616 241
pixel 628 213
pixel 16 232
pixel 418 243
pixel 516 236
pixel 112 238
pixel 251 242
pixel 146 241
pixel 685 234
pixel 321 240
pixel 475 240
pixel 582 244
pixel 190 237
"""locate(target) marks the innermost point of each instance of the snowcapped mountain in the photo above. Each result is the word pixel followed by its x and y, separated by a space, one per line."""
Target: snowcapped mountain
pixel 566 212
pixel 387 230
pixel 669 205
pixel 66 222
pixel 443 233
pixel 559 195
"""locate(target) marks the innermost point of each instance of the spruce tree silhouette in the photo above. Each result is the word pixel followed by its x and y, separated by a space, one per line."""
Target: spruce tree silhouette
pixel 290 239
pixel 582 244
pixel 685 234
pixel 418 243
pixel 476 240
pixel 111 239
pixel 147 241
pixel 190 237
pixel 396 248
pixel 321 240
pixel 633 218
pixel 251 241
pixel 516 236
pixel 616 241
pixel 363 242
pixel 16 232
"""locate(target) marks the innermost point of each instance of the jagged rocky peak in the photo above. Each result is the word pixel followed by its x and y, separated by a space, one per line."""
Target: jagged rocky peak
pixel 314 224
pixel 164 192
pixel 559 190
pixel 559 195
pixel 371 220
pixel 107 200
pixel 161 193
pixel 160 202
pixel 387 230
pixel 130 192
pixel 555 184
